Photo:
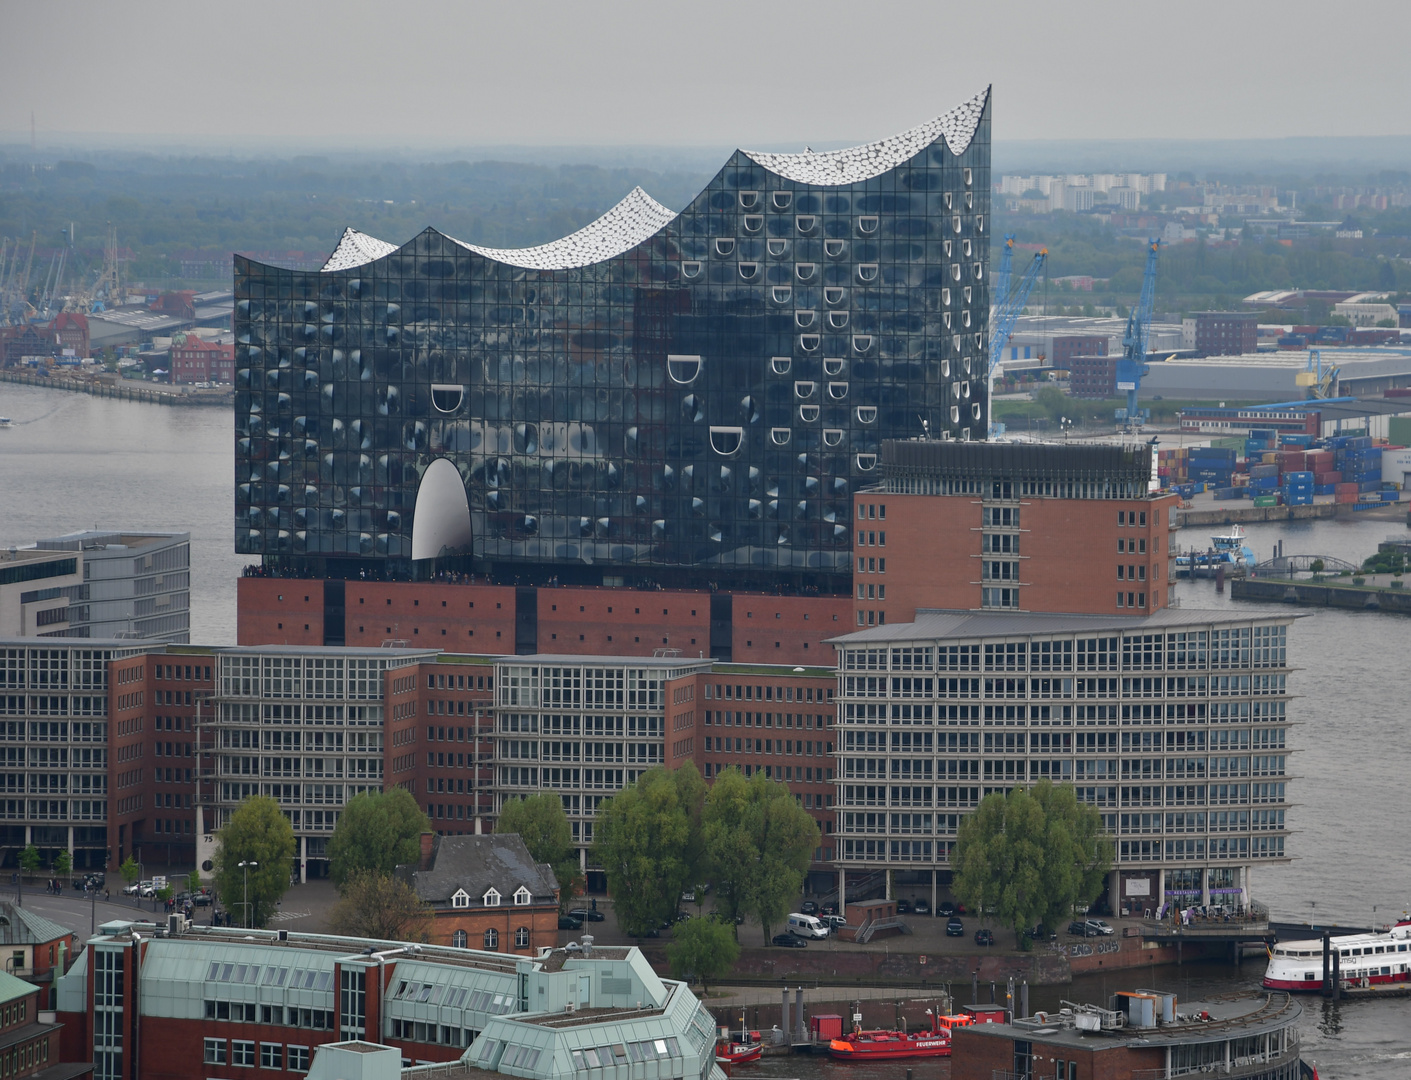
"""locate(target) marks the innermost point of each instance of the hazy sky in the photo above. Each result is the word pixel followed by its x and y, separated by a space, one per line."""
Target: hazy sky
pixel 756 74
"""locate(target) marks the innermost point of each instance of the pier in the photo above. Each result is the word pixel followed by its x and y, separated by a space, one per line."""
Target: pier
pixel 124 390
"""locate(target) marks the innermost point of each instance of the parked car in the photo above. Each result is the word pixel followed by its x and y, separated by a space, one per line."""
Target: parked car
pixel 808 907
pixel 1100 927
pixel 136 887
pixel 788 941
pixel 1089 928
pixel 903 907
pixel 954 927
pixel 203 898
pixel 945 909
pixel 984 937
pixel 921 907
pixel 689 896
pixel 832 922
pixel 587 915
pixel 570 922
pixel 828 909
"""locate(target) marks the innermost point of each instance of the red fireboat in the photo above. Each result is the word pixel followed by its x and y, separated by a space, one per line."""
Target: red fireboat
pixel 881 1045
pixel 739 1047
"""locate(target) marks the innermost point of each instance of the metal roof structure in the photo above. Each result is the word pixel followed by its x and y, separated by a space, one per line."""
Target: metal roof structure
pixel 477 864
pixel 984 460
pixel 858 163
pixel 933 624
pixel 639 217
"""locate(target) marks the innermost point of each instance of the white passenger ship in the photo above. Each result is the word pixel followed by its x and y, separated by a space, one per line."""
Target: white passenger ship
pixel 1363 959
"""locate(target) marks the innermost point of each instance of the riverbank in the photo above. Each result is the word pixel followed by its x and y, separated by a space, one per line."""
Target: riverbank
pixel 1310 594
pixel 124 390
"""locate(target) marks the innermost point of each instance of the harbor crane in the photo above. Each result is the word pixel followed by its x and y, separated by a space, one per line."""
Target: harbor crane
pixel 999 289
pixel 1321 381
pixel 1003 319
pixel 1132 366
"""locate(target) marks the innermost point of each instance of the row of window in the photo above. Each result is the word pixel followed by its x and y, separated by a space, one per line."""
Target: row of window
pixel 242 1053
pixel 490 940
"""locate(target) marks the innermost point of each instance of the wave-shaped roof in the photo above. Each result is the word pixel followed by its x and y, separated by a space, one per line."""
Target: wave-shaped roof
pixel 636 218
pixel 639 217
pixel 859 163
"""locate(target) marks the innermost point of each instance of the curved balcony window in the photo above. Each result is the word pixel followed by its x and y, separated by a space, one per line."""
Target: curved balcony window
pixel 955 271
pixel 749 200
pixel 804 319
pixel 834 295
pixel 782 293
pixel 979 223
pixel 866 414
pixel 777 247
pixel 749 409
pixel 967 294
pixel 947 246
pixel 861 342
pixel 945 319
pixel 683 370
pixel 945 369
pixel 866 462
pixel 978 271
pixel 446 397
pixel 808 413
pixel 945 297
pixel 965 317
pixel 832 436
pixel 965 389
pixel 805 271
pixel 838 391
pixel 804 390
pixel 749 270
pixel 805 223
pixel 975 410
pixel 691 269
pixel 834 248
pixel 833 365
pixel 809 342
pixel 967 248
pixel 955 414
pixel 782 200
pixel 781 365
pixel 969 176
pixel 868 272
pixel 726 441
pixel 837 320
pixel 867 225
pixel 693 408
pixel 725 245
pixel 780 436
pixel 753 222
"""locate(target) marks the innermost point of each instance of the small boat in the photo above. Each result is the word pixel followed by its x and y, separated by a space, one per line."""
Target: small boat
pixel 881 1045
pixel 5 422
pixel 738 1047
pixel 1364 960
pixel 1227 552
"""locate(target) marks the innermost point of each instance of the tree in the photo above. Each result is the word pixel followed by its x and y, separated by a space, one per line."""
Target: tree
pixel 759 842
pixel 704 948
pixel 376 906
pixel 541 823
pixel 1031 856
pixel 257 833
pixel 129 870
pixel 643 840
pixel 63 864
pixel 29 859
pixel 377 831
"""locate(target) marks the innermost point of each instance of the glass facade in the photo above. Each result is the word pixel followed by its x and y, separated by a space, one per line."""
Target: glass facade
pixel 695 393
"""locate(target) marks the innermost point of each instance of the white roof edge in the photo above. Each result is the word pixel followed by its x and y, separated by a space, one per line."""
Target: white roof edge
pixel 356 249
pixel 636 218
pixel 855 164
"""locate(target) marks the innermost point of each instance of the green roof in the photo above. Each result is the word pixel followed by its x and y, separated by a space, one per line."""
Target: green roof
pixel 12 988
pixel 32 929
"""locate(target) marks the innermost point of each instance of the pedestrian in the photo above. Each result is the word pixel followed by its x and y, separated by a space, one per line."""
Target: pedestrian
pixel 107 895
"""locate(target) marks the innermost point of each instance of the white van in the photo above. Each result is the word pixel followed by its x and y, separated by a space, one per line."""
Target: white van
pixel 806 926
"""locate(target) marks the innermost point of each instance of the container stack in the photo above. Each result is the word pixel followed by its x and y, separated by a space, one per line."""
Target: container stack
pixel 1298 488
pixel 1359 461
pixel 1323 465
pixel 1263 482
pixel 1212 467
pixel 1260 440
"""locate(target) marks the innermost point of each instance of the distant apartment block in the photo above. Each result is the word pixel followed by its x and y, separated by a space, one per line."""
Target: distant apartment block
pixel 99 584
pixel 1226 333
pixel 197 361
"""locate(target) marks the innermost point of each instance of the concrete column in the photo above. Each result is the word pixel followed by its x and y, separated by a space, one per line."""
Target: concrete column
pixel 1160 887
pixel 28 835
pixel 1204 887
pixel 935 876
pixel 784 1016
pixel 888 894
pixel 798 1015
pixel 303 859
pixel 70 845
pixel 842 892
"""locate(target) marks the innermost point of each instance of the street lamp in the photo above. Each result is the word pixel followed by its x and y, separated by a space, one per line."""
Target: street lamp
pixel 246 867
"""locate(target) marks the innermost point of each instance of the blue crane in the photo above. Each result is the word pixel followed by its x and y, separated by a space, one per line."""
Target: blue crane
pixel 1132 366
pixel 1006 312
pixel 999 290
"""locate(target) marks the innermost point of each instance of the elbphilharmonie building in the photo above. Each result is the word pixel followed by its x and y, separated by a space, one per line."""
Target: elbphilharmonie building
pixel 662 397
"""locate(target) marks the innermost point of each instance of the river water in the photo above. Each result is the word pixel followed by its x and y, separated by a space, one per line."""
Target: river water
pixel 72 462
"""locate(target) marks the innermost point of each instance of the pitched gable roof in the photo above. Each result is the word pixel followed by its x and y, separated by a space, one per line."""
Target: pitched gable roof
pixel 478 864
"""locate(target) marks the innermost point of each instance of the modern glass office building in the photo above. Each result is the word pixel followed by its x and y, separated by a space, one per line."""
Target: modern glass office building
pixel 674 397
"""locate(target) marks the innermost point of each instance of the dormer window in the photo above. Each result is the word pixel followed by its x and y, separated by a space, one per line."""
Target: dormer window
pixel 460 899
pixel 522 896
pixel 492 897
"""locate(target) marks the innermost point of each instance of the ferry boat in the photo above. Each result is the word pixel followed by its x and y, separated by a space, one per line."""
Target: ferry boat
pixel 1228 551
pixel 738 1047
pixel 1363 960
pixel 883 1045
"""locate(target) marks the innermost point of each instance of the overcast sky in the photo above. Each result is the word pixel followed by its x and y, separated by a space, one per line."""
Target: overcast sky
pixel 757 74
